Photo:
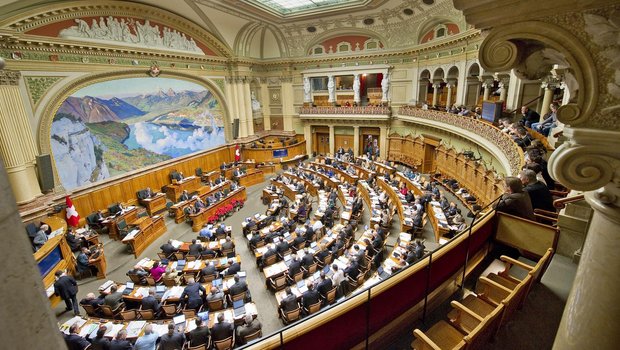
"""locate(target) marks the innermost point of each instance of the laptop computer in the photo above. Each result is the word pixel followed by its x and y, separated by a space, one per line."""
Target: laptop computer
pixel 160 289
pixel 217 283
pixel 180 265
pixel 382 273
pixel 204 316
pixel 238 307
pixel 128 288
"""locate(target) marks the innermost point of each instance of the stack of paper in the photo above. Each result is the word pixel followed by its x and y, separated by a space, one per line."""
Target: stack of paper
pixel 174 292
pixel 88 329
pixel 76 319
pixel 134 328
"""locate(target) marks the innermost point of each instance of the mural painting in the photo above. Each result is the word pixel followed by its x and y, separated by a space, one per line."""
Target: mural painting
pixel 112 127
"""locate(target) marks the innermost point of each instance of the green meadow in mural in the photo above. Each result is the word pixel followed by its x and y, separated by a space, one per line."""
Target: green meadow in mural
pixel 112 127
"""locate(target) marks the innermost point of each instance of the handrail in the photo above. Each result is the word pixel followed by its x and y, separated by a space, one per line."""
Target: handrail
pixel 561 203
pixel 527 104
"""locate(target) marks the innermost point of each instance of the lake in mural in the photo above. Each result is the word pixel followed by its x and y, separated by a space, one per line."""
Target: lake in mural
pixel 112 127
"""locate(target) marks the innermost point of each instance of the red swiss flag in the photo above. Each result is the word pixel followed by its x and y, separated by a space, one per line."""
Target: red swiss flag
pixel 237 153
pixel 73 218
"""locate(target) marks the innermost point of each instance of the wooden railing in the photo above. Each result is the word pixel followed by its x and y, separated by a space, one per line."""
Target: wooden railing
pixel 562 202
pixel 379 110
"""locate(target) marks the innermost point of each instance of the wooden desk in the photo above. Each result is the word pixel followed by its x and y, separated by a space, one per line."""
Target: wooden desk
pixel 154 204
pixel 191 184
pixel 313 190
pixel 55 223
pixel 178 210
pixel 252 177
pixel 150 230
pixel 286 189
pixel 201 218
pixel 267 168
pixel 342 175
pixel 397 201
pixel 130 215
pixel 101 264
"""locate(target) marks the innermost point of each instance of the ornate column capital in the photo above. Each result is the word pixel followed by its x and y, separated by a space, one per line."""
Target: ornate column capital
pixel 590 161
pixel 9 77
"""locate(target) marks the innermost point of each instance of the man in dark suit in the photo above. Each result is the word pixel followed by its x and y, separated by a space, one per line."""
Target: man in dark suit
pixel 74 340
pixel 150 303
pixel 239 287
pixel 294 267
pixel 209 270
pixel 200 334
pixel 352 270
pixel 325 285
pixel 221 230
pixel 222 329
pixel 289 302
pixel 66 288
pixel 309 232
pixel 168 249
pixel 195 249
pixel 539 193
pixel 184 196
pixel 233 267
pixel 529 117
pixel 251 325
pixel 121 342
pixel 515 201
pixel 271 250
pixel 307 259
pixel 310 297
pixel 100 342
pixel 282 246
pixel 193 294
pixel 114 299
pixel 299 239
pixel 171 340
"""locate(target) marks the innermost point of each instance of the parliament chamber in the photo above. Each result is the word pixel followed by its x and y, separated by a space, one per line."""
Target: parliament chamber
pixel 347 174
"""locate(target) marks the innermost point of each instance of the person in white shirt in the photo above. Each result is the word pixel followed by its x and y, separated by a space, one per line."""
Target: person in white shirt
pixel 338 275
pixel 317 225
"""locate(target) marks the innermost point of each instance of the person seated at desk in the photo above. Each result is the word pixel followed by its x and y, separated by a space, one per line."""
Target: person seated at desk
pixel 199 205
pixel 221 230
pixel 455 218
pixel 352 269
pixel 172 340
pixel 74 341
pixel 307 259
pixel 184 196
pixel 200 334
pixel 220 180
pixel 172 274
pixel 251 325
pixel 237 173
pixel 157 271
pixel 310 297
pixel 458 224
pixel 206 232
pixel 40 237
pixel 195 248
pixel 289 302
pixel 239 287
pixel 148 193
pixel 114 299
pixel 209 269
pixel 210 200
pixel 325 285
pixel 75 240
pixel 189 210
pixel 168 249
pixel 92 300
pixel 228 244
pixel 193 294
pixel 140 272
pixel 84 261
pixel 451 211
pixel 150 302
pixel 216 294
pixel 223 166
pixel 234 186
pixel 271 250
pixel 100 342
pixel 233 267
pixel 120 342
pixel 222 329
pixel 148 340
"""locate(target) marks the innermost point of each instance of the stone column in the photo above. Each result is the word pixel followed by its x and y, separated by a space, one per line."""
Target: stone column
pixel 383 142
pixel 332 140
pixel 17 146
pixel 266 101
pixel 243 120
pixel 308 137
pixel 591 162
pixel 503 91
pixel 547 98
pixel 356 140
pixel 21 281
pixel 288 97
pixel 307 90
pixel 436 87
pixel 487 90
pixel 356 89
pixel 231 98
pixel 449 98
pixel 247 101
pixel 331 89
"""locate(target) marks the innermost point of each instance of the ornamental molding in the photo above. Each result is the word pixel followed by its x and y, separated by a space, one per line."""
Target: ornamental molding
pixel 44 15
pixel 37 87
pixel 9 77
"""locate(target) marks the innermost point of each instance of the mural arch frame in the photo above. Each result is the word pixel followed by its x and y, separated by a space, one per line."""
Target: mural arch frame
pixel 54 103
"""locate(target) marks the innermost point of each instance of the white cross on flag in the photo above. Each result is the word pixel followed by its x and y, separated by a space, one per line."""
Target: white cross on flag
pixel 73 218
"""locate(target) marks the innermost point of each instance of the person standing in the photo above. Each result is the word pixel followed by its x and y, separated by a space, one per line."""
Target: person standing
pixel 66 288
pixel 148 341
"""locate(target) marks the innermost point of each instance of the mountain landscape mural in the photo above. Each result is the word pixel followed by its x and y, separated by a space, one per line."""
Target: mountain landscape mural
pixel 109 128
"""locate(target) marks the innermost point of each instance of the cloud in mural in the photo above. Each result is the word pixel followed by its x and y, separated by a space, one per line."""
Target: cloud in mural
pixel 163 140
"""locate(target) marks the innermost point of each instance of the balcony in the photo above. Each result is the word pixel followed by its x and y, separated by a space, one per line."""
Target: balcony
pixel 372 113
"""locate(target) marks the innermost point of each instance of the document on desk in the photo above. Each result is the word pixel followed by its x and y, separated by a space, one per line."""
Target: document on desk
pixel 50 291
pixel 142 292
pixel 76 319
pixel 113 329
pixel 86 330
pixel 134 328
pixel 174 292
pixel 160 329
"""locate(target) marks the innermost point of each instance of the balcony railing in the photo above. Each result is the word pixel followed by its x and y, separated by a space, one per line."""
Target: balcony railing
pixel 484 129
pixel 375 110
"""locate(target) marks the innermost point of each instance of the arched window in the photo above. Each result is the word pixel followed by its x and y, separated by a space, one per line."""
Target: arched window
pixel 343 47
pixel 371 44
pixel 440 31
pixel 318 50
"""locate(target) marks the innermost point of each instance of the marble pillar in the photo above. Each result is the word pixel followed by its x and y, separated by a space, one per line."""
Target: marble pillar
pixel 487 91
pixel 17 146
pixel 308 137
pixel 436 93
pixel 449 98
pixel 547 99
pixel 383 142
pixel 332 140
pixel 247 102
pixel 28 320
pixel 356 141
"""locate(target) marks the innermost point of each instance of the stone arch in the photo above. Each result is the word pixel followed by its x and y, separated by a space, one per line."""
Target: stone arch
pixel 453 73
pixel 253 31
pixel 432 23
pixel 341 32
pixel 439 74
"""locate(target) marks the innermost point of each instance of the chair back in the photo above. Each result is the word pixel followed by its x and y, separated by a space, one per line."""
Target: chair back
pixel 298 276
pixel 128 315
pixel 189 313
pixel 314 308
pixel 312 268
pixel 224 344
pixel 270 260
pixel 122 224
pixel 198 171
pixel 161 256
pixel 169 310
pixel 107 311
pixel 207 278
pixel 147 314
pixel 169 281
pixel 480 336
pixel 292 316
pixel 279 282
pixel 229 253
pixel 248 338
pixel 198 347
pixel 240 296
pixel 331 296
pixel 150 281
pixel 208 256
pixel 179 255
pixel 215 305
pixel 190 258
pixel 511 303
pixel 134 278
pixel 90 310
